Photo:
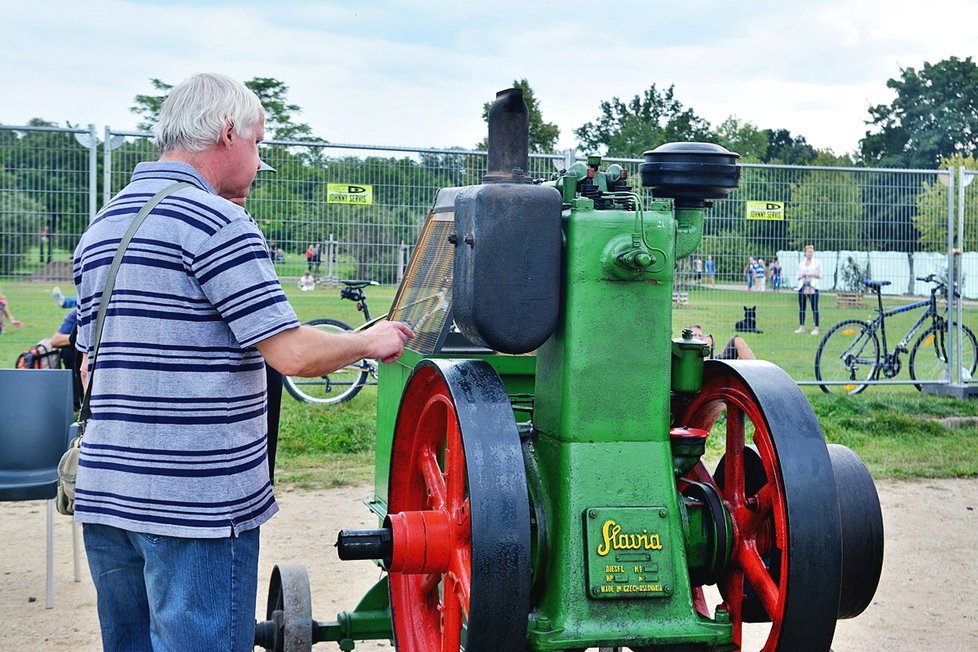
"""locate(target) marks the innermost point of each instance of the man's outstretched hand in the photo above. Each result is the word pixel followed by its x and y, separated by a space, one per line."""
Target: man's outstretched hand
pixel 386 339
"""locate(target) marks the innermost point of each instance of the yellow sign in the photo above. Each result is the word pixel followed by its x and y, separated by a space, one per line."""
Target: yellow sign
pixel 765 210
pixel 347 193
pixel 613 539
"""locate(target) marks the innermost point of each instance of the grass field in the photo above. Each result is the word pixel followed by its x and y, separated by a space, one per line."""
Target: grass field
pixel 899 434
pixel 896 430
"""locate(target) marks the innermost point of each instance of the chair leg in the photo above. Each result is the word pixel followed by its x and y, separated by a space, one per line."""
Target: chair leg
pixel 75 548
pixel 49 588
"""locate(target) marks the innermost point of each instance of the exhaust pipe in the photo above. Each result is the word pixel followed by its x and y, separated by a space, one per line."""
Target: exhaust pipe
pixel 509 139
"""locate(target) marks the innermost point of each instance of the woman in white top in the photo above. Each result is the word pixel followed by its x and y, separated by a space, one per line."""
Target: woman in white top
pixel 809 273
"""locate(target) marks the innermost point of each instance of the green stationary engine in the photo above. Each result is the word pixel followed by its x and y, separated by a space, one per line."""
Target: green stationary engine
pixel 541 480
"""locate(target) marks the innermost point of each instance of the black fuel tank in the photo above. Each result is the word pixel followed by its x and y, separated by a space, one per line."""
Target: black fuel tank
pixel 506 290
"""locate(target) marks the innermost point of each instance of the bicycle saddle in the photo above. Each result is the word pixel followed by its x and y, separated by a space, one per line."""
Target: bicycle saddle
pixel 875 285
pixel 354 283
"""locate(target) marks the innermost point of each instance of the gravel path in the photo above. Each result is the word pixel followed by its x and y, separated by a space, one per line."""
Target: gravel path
pixel 927 597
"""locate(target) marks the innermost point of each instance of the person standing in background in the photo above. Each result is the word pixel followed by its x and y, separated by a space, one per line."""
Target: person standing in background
pixel 760 275
pixel 775 274
pixel 317 259
pixel 809 274
pixel 711 269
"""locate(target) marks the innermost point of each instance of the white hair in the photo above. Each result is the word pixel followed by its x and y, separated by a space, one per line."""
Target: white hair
pixel 198 109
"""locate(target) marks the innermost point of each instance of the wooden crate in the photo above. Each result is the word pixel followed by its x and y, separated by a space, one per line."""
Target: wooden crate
pixel 849 300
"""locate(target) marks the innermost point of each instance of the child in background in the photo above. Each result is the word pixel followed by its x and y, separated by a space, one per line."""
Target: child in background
pixel 307 282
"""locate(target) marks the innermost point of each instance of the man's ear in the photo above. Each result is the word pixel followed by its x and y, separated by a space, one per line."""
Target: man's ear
pixel 228 134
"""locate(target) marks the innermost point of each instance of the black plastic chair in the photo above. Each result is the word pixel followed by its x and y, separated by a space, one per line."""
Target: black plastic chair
pixel 35 414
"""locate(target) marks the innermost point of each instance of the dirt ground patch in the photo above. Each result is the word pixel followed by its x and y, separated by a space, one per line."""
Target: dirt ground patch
pixel 926 600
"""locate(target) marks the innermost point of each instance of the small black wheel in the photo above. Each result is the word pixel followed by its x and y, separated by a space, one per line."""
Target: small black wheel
pixel 848 354
pixel 928 358
pixel 861 518
pixel 341 385
pixel 289 612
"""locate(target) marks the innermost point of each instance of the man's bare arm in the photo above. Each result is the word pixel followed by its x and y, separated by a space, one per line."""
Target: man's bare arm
pixel 307 351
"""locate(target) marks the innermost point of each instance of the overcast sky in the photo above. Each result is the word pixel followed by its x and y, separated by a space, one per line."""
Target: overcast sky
pixel 418 72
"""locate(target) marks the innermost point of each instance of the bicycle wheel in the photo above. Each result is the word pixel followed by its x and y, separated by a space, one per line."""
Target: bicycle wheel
pixel 849 352
pixel 928 358
pixel 336 387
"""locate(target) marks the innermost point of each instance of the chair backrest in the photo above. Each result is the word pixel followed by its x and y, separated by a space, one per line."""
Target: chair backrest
pixel 35 413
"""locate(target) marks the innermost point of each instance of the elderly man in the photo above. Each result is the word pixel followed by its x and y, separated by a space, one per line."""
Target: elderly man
pixel 173 481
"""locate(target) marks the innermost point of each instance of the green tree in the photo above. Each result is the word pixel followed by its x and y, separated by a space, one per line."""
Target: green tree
pixel 930 218
pixel 825 211
pixel 645 122
pixel 785 149
pixel 279 112
pixel 148 106
pixel 743 138
pixel 21 219
pixel 826 157
pixel 279 121
pixel 934 115
pixel 543 135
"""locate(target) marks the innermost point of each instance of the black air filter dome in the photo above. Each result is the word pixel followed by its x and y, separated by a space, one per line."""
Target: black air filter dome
pixel 690 171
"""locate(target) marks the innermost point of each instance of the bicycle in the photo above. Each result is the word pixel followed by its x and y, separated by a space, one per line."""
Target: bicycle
pixel 850 351
pixel 345 383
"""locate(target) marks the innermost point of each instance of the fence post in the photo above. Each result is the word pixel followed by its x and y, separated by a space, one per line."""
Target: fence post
pixel 964 180
pixel 402 256
pixel 107 167
pixel 111 144
pixel 330 259
pixel 92 173
pixel 569 157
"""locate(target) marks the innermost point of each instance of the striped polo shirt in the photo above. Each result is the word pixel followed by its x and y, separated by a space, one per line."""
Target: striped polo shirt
pixel 176 444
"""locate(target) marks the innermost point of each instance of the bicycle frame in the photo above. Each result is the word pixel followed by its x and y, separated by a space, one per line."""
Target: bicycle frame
pixel 878 323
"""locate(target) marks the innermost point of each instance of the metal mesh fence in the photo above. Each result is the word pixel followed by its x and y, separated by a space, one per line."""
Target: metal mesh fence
pixel 44 195
pixel 889 225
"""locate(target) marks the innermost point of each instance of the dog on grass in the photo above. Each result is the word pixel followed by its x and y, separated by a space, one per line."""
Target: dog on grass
pixel 749 323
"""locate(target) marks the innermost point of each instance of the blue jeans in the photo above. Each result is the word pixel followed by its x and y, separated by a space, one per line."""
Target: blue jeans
pixel 168 593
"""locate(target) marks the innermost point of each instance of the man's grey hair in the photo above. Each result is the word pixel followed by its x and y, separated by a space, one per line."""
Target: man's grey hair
pixel 197 110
